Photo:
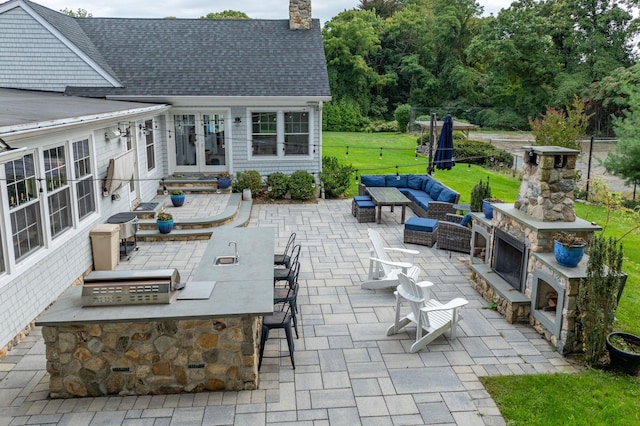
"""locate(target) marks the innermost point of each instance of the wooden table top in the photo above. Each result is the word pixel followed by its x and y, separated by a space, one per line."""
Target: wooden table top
pixel 387 196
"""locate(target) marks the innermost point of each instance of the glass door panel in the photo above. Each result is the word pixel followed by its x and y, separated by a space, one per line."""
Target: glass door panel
pixel 214 142
pixel 186 139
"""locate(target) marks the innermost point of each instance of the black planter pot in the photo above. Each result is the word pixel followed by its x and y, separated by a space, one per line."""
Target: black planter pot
pixel 628 362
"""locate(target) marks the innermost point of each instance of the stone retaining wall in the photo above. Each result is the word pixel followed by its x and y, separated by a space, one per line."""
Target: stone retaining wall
pixel 155 357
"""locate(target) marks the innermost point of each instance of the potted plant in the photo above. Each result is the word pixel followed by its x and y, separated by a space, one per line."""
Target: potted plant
pixel 568 249
pixel 481 191
pixel 624 351
pixel 224 180
pixel 177 197
pixel 164 221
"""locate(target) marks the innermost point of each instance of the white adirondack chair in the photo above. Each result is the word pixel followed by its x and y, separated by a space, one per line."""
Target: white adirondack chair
pixel 383 272
pixel 431 317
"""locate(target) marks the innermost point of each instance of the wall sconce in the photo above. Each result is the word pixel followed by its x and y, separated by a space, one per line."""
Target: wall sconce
pixel 237 120
pixel 126 133
pixel 144 130
pixel 111 135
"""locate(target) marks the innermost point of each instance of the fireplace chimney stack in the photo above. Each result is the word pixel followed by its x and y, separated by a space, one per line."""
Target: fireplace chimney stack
pixel 300 15
pixel 548 181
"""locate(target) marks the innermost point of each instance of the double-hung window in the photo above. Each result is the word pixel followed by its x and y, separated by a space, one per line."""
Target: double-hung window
pixel 280 133
pixel 58 191
pixel 85 189
pixel 264 127
pixel 296 133
pixel 24 206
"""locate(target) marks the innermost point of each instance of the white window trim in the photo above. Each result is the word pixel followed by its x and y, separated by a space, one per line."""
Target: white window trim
pixel 94 182
pixel 280 155
pixel 46 214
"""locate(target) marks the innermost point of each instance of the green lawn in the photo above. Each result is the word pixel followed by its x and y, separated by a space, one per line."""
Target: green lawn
pixel 588 398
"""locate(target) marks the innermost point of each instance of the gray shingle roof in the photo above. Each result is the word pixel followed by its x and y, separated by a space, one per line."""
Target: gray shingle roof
pixel 206 57
pixel 30 108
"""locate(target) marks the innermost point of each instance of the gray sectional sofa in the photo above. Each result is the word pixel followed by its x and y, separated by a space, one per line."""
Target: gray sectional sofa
pixel 429 197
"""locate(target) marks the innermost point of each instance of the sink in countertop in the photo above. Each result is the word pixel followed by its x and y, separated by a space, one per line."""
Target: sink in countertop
pixel 225 261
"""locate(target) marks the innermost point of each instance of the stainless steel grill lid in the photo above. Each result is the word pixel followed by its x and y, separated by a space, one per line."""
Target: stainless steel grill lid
pixel 128 222
pixel 134 287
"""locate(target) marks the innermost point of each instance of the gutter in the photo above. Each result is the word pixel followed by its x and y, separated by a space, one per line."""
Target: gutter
pixel 20 129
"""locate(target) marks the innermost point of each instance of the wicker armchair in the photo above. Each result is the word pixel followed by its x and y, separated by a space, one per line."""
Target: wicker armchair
pixel 440 210
pixel 452 235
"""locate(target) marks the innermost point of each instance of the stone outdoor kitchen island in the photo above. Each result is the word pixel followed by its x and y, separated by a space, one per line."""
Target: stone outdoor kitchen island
pixel 206 339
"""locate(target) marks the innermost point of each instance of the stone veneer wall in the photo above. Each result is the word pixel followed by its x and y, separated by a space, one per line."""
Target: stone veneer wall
pixel 512 312
pixel 300 14
pixel 155 357
pixel 546 191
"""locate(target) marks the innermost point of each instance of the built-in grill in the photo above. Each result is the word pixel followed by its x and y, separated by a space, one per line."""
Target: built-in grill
pixel 128 222
pixel 139 287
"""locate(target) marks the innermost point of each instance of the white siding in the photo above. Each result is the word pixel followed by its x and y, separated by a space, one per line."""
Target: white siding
pixel 242 160
pixel 32 58
pixel 44 275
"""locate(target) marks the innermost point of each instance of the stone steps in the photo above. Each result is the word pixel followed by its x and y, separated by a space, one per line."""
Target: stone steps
pixel 191 184
pixel 236 214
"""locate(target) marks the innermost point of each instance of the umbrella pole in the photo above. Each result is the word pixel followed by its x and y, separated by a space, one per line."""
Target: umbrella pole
pixel 431 130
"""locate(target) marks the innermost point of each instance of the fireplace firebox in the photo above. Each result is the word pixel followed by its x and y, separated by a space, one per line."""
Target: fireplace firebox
pixel 509 258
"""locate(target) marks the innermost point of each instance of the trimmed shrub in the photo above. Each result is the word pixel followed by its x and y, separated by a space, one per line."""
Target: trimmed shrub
pixel 302 185
pixel 402 114
pixel 379 126
pixel 249 179
pixel 335 177
pixel 481 153
pixel 279 183
pixel 480 191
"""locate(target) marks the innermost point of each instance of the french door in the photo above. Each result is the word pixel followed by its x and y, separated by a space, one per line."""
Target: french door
pixel 199 143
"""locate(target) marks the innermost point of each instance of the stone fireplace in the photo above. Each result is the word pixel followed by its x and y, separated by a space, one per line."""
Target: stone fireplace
pixel 520 275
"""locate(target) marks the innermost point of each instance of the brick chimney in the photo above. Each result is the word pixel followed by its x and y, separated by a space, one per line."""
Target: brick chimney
pixel 547 187
pixel 299 14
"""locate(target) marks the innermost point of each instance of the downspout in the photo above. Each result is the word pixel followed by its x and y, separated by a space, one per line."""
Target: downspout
pixel 320 136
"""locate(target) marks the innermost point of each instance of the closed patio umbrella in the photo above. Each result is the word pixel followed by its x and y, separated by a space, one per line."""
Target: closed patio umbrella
pixel 444 153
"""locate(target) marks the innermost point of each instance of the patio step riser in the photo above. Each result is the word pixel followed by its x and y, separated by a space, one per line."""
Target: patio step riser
pixel 151 225
pixel 157 237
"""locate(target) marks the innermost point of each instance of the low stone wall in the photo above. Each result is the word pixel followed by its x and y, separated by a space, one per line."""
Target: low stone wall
pixel 155 357
pixel 512 312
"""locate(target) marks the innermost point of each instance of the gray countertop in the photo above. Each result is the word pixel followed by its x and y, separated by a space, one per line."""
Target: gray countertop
pixel 242 289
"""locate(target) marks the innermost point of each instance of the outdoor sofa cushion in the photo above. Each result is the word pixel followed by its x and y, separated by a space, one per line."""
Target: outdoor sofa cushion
pixel 394 181
pixel 416 182
pixel 446 195
pixel 421 224
pixel 373 180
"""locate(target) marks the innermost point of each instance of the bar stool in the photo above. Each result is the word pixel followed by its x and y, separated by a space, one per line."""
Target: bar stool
pixel 285 257
pixel 279 319
pixel 286 274
pixel 289 294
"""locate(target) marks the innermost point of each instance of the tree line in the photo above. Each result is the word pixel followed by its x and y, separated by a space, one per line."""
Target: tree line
pixel 495 71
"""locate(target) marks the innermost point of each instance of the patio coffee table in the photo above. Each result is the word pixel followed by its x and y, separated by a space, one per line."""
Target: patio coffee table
pixel 388 197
